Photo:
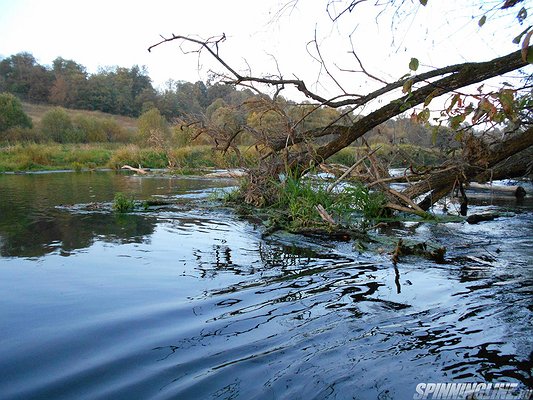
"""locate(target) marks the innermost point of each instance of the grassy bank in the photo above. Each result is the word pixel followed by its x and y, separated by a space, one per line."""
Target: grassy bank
pixel 43 157
pixel 54 156
pixel 37 111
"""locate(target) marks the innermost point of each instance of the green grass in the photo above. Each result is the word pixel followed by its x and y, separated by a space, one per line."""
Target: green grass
pixel 298 199
pixel 38 157
pixel 55 156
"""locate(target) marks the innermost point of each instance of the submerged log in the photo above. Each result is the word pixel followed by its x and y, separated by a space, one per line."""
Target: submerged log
pixel 517 191
pixel 477 161
pixel 477 218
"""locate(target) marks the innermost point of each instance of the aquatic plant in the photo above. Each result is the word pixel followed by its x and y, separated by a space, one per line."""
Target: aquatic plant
pixel 122 203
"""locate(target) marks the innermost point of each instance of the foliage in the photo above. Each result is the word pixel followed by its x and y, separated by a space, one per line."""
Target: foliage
pixel 153 128
pixel 21 75
pixel 122 203
pixel 11 113
pixel 358 197
pixel 56 125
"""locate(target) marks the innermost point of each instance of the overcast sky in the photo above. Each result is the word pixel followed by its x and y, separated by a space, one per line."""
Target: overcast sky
pixel 118 32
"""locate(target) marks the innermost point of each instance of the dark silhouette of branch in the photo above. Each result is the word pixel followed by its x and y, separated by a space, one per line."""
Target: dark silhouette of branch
pixel 211 45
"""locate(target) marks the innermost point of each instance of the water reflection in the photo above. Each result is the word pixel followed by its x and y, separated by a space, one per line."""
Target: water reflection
pixel 37 217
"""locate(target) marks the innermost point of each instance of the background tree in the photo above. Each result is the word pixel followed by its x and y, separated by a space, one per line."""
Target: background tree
pixel 23 76
pixel 70 85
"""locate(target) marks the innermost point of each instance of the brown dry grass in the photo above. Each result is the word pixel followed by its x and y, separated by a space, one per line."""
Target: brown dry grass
pixel 36 112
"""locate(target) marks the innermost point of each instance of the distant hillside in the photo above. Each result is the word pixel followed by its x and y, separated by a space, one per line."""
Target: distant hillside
pixel 36 112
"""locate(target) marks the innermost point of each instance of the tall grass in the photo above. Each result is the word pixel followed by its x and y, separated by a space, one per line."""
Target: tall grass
pixel 353 205
pixel 49 156
pixel 32 157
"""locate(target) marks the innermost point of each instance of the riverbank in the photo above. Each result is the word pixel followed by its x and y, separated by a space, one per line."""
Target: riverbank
pixel 49 157
pixel 53 156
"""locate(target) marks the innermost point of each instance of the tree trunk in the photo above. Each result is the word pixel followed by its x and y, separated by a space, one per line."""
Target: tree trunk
pixel 476 164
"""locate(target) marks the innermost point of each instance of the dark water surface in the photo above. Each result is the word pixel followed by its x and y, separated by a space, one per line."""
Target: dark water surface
pixel 189 302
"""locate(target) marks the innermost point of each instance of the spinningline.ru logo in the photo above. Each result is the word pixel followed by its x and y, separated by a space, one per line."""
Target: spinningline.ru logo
pixel 471 390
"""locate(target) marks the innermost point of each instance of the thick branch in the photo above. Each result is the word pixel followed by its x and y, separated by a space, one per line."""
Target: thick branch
pixel 441 183
pixel 467 74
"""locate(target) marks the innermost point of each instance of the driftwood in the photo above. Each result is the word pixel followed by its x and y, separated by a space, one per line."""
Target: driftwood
pixel 235 173
pixel 138 170
pixel 517 191
pixel 418 249
pixel 349 170
pixel 325 215
pixel 477 158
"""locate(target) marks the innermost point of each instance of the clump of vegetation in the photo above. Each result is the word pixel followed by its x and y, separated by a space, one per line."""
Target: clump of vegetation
pixel 11 113
pixel 123 203
pixel 366 203
pixel 298 202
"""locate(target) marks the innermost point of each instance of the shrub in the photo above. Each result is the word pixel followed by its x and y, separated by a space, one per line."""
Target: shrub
pixel 153 128
pixel 298 198
pixel 91 129
pixel 114 132
pixel 21 134
pixel 11 113
pixel 56 125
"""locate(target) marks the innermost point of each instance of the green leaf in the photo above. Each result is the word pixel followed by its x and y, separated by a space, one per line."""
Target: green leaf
pixel 435 134
pixel 423 116
pixel 408 84
pixel 482 21
pixel 506 97
pixel 456 121
pixel 456 97
pixel 424 2
pixel 413 64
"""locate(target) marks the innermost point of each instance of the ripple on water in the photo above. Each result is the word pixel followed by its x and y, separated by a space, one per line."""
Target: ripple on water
pixel 195 304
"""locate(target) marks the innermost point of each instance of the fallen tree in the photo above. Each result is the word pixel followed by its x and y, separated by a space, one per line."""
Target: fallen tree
pixel 294 150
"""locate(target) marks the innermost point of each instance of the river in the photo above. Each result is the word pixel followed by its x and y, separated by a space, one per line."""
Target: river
pixel 191 302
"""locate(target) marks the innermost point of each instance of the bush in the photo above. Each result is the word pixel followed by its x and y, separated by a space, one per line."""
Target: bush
pixel 91 129
pixel 114 132
pixel 11 113
pixel 298 198
pixel 56 125
pixel 153 128
pixel 21 134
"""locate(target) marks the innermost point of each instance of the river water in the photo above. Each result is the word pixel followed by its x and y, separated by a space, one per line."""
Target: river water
pixel 191 302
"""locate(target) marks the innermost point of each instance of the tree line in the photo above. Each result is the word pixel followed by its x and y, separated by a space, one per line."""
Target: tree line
pixel 114 90
pixel 216 109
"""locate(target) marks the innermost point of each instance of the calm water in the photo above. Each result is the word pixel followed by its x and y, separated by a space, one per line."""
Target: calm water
pixel 189 302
